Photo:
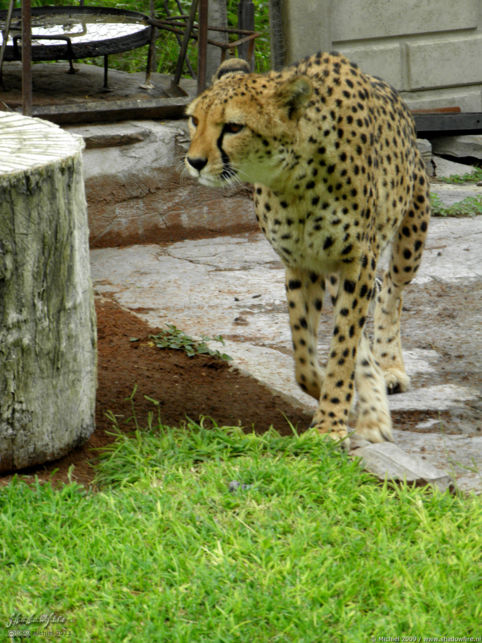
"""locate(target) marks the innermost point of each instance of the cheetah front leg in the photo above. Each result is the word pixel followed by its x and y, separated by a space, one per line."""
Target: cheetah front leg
pixel 305 291
pixel 336 396
pixel 373 421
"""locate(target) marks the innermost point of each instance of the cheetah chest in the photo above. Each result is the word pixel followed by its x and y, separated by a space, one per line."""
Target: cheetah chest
pixel 311 231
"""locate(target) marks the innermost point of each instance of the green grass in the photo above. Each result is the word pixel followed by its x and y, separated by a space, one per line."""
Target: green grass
pixel 471 206
pixel 306 548
pixel 470 177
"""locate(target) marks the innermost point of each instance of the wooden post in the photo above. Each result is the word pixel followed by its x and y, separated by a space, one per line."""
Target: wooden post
pixel 47 321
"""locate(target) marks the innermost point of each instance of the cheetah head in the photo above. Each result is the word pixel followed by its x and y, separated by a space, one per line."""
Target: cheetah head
pixel 243 127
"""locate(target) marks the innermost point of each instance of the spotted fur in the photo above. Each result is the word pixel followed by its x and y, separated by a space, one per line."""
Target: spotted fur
pixel 332 154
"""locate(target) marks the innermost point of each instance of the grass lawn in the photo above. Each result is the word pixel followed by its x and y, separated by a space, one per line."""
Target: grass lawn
pixel 213 535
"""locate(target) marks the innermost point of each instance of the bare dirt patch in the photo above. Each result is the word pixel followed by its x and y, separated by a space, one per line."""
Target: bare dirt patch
pixel 184 387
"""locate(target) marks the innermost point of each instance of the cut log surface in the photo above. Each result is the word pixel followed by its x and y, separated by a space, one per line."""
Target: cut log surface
pixel 47 319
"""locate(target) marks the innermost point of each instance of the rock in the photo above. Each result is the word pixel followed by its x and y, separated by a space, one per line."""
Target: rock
pixel 439 397
pixel 111 134
pixel 357 442
pixel 137 193
pixel 425 148
pixel 470 483
pixel 458 454
pixel 234 486
pixel 425 458
pixel 452 252
pixel 445 168
pixel 389 462
pixel 465 146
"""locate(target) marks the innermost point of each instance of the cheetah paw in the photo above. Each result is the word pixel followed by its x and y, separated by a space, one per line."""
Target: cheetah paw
pixel 396 381
pixel 338 434
pixel 375 429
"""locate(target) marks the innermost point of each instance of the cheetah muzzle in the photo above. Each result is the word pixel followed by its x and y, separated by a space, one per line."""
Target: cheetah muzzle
pixel 337 177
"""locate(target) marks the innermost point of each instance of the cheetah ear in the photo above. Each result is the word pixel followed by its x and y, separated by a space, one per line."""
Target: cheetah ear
pixel 293 94
pixel 231 66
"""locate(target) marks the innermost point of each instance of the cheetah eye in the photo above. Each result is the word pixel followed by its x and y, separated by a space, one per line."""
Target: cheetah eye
pixel 232 128
pixel 194 121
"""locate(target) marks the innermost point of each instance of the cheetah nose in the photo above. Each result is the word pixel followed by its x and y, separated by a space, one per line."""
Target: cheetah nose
pixel 197 163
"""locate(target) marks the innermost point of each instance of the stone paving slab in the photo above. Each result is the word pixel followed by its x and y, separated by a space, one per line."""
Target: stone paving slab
pixel 401 465
pixel 443 461
pixel 234 286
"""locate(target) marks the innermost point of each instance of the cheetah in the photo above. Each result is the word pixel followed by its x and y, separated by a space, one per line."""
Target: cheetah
pixel 337 176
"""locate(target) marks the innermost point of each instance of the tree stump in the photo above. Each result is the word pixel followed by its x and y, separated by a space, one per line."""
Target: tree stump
pixel 47 318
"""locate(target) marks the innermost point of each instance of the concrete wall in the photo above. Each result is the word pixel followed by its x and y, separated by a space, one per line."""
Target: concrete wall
pixel 431 50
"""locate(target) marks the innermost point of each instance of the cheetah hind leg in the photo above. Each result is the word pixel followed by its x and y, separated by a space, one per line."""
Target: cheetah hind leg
pixel 373 422
pixel 406 256
pixel 405 260
pixel 387 341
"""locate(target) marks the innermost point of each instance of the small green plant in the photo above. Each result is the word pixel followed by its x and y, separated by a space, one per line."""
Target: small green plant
pixel 470 177
pixel 172 337
pixel 469 207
